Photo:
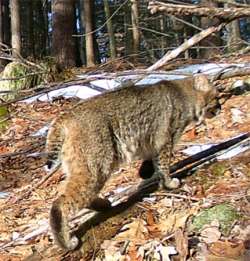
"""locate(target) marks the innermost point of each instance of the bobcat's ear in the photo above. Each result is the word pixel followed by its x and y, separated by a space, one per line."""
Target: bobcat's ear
pixel 201 83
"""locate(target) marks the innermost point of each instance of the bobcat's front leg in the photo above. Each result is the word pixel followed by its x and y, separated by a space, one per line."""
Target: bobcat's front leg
pixel 162 165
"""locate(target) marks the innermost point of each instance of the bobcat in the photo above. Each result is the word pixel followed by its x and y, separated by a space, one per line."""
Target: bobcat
pixel 134 122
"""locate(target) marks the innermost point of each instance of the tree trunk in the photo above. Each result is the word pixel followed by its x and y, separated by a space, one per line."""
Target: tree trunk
pixel 1 22
pixel 135 25
pixel 63 44
pixel 30 30
pixel 213 40
pixel 162 29
pixel 127 31
pixel 45 34
pixel 82 30
pixel 15 27
pixel 41 36
pixel 110 30
pixel 90 52
pixel 1 33
pixel 234 41
pixel 6 22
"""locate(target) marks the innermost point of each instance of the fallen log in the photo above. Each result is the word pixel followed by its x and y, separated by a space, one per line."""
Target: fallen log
pixel 225 14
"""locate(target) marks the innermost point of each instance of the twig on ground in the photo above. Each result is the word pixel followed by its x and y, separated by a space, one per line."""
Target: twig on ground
pixel 34 187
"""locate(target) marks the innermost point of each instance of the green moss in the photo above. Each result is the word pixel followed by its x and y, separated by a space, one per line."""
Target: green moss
pixel 3 117
pixel 210 175
pixel 218 169
pixel 15 78
pixel 224 213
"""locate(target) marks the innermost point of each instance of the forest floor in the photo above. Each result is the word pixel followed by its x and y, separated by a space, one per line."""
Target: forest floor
pixel 160 226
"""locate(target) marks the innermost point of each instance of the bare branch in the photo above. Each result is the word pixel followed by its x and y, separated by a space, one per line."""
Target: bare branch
pixel 186 45
pixel 226 14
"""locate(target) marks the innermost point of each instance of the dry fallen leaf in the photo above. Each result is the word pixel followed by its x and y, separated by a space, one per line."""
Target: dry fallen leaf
pixel 181 241
pixel 111 251
pixel 191 134
pixel 134 231
pixel 133 254
pixel 227 249
pixel 176 220
pixel 211 233
pixel 155 250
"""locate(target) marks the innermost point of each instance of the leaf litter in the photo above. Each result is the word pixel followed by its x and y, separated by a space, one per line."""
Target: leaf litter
pixel 156 228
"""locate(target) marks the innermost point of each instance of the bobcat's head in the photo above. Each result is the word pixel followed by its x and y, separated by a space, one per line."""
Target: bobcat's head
pixel 207 104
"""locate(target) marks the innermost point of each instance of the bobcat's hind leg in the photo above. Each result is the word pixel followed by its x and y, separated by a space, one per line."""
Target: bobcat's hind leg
pixel 74 197
pixel 81 187
pixel 87 168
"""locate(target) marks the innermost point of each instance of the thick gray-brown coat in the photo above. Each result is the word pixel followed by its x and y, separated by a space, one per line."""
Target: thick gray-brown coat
pixel 135 122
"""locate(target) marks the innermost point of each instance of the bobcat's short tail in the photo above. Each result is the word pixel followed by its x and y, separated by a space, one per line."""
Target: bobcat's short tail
pixel 59 226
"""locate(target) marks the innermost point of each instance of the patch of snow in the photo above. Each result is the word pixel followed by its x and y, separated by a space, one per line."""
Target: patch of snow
pixel 238 84
pixel 149 199
pixel 235 151
pixel 15 235
pixel 196 149
pixel 237 115
pixel 227 155
pixel 84 92
pixel 154 78
pixel 37 232
pixel 106 84
pixel 207 68
pixel 41 132
pixel 4 195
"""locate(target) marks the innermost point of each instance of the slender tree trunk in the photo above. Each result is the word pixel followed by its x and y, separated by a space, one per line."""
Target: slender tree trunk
pixel 30 30
pixel 4 27
pixel 40 9
pixel 15 27
pixel 128 34
pixel 46 38
pixel 234 41
pixel 1 32
pixel 96 45
pixel 82 30
pixel 110 30
pixel 135 25
pixel 1 22
pixel 6 22
pixel 90 52
pixel 63 44
pixel 213 40
pixel 162 29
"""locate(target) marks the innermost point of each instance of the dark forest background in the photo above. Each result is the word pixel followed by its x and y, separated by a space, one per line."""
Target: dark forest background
pixel 87 32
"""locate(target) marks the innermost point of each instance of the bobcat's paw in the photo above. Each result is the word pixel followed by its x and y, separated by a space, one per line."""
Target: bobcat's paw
pixel 73 243
pixel 171 183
